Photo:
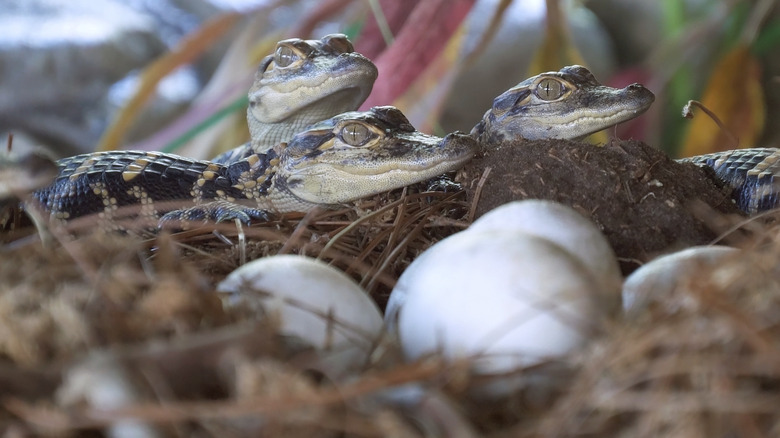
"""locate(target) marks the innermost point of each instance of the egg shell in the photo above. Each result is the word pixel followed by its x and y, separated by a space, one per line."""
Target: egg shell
pixel 400 292
pixel 505 298
pixel 568 228
pixel 301 292
pixel 657 279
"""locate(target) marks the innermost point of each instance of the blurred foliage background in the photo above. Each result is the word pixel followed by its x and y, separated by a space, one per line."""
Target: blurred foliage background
pixel 440 61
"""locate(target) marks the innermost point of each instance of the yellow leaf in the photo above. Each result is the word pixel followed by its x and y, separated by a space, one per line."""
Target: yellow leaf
pixel 556 50
pixel 734 93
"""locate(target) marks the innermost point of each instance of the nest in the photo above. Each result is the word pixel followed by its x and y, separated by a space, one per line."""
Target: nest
pixel 141 317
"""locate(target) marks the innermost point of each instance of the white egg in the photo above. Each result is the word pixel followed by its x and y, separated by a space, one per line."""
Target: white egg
pixel 313 301
pixel 657 280
pixel 504 298
pixel 552 221
pixel 569 229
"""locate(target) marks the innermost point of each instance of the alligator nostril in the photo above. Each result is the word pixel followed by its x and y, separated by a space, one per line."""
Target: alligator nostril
pixel 446 140
pixel 452 135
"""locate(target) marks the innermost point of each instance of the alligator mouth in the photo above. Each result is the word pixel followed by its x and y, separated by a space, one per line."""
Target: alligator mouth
pixel 368 172
pixel 415 153
pixel 318 97
pixel 640 98
pixel 630 102
pixel 454 150
pixel 340 101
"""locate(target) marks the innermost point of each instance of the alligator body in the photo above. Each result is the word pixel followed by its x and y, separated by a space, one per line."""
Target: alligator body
pixel 347 157
pixel 753 173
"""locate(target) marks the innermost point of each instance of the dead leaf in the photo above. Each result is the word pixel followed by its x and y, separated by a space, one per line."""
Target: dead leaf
pixel 423 100
pixel 734 93
pixel 424 35
pixel 557 49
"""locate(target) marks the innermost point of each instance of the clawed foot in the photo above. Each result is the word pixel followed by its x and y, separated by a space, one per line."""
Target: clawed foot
pixel 444 184
pixel 217 211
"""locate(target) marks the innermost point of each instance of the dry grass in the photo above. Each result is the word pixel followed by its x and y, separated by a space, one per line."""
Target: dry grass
pixel 141 316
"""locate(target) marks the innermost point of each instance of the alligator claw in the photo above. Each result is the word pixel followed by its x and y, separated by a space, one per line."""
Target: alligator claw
pixel 443 183
pixel 217 211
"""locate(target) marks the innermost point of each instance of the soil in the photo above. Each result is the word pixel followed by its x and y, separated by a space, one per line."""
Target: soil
pixel 643 201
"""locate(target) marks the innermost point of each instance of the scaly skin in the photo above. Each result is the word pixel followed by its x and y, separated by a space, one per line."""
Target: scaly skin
pixel 567 104
pixel 753 173
pixel 347 157
pixel 301 83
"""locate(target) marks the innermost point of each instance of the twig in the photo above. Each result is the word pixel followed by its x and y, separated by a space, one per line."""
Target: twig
pixel 381 21
pixel 298 231
pixel 753 24
pixel 478 194
pixel 354 224
pixel 401 246
pixel 687 112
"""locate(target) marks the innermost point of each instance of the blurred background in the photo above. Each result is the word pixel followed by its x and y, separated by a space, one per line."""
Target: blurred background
pixel 172 75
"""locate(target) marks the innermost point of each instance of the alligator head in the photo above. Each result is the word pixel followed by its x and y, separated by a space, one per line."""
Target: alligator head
pixel 568 104
pixel 358 154
pixel 303 82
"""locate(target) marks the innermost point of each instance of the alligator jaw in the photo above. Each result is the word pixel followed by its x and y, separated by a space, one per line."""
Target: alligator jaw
pixel 568 104
pixel 400 161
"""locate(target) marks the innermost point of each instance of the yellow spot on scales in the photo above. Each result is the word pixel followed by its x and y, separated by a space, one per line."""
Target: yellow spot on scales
pixel 128 175
pixel 83 167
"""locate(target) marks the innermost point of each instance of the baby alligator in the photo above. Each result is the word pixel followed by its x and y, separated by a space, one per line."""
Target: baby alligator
pixel 567 104
pixel 571 104
pixel 301 83
pixel 347 157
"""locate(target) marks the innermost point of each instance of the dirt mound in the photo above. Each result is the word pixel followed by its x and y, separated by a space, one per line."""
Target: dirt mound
pixel 643 201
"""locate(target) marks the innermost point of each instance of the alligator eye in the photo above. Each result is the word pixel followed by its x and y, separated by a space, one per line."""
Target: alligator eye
pixel 339 42
pixel 355 134
pixel 285 56
pixel 550 89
